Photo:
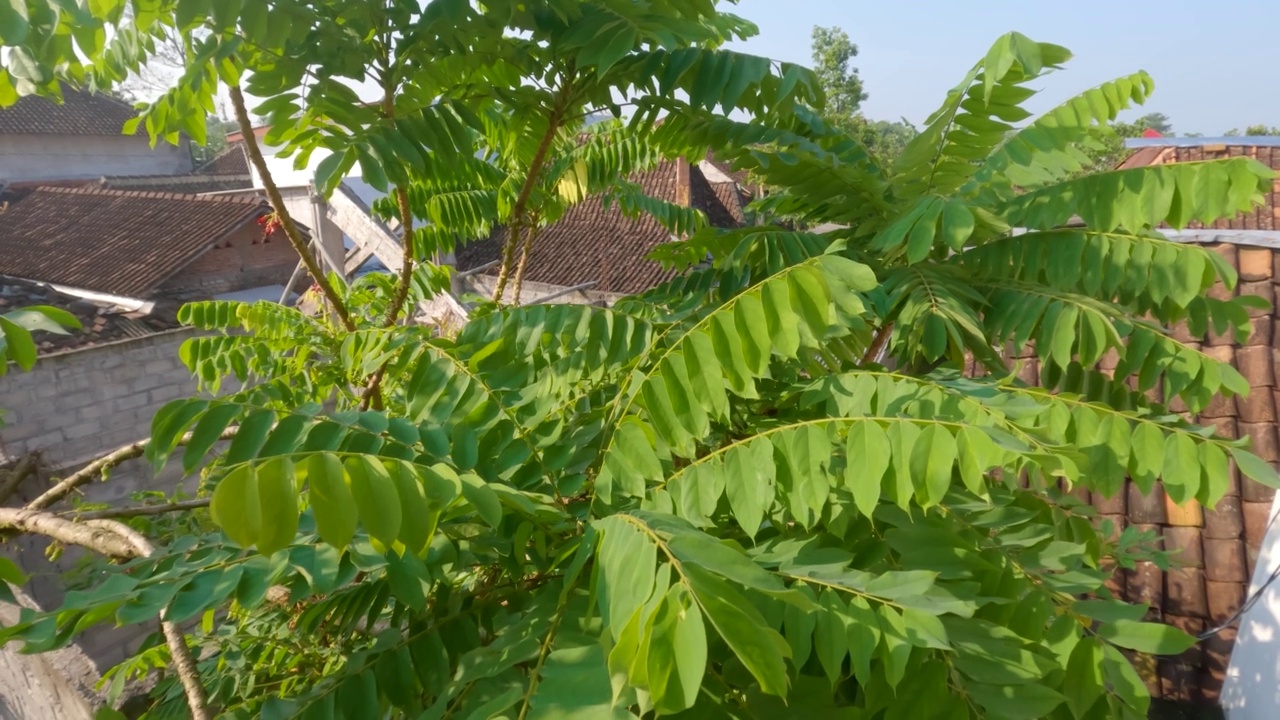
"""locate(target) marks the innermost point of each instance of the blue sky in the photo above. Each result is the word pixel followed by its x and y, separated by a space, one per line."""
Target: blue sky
pixel 1214 63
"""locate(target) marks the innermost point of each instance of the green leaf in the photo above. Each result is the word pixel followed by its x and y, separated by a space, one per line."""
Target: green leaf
pixel 278 500
pixel 235 506
pixel 677 656
pixel 762 650
pixel 1150 638
pixel 331 500
pixel 1084 682
pixel 749 483
pixel 1256 468
pixel 932 458
pixel 627 558
pixel 482 498
pixel 376 499
pixel 1015 702
pixel 867 458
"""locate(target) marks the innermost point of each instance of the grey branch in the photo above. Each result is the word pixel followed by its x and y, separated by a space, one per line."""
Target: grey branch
pixel 93 470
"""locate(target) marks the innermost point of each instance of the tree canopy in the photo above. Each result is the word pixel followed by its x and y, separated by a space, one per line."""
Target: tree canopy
pixel 797 480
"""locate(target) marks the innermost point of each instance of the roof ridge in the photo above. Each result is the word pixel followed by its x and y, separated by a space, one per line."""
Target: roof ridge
pixel 152 194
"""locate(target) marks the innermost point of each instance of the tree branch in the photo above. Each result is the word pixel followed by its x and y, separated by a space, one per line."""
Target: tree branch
pixel 518 220
pixel 25 467
pixel 184 662
pixel 138 510
pixel 69 532
pixel 90 472
pixel 277 203
pixel 877 344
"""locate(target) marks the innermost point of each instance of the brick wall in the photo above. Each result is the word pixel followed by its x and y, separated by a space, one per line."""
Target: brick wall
pixel 73 407
pixel 240 261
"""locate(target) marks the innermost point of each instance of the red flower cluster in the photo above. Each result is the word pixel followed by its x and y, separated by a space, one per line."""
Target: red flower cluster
pixel 270 223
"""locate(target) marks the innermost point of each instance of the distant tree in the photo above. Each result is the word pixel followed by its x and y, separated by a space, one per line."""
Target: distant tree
pixel 1108 150
pixel 1154 121
pixel 1254 130
pixel 833 52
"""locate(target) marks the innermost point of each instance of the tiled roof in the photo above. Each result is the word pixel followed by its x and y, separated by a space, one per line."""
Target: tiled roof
pixel 1213 551
pixel 124 243
pixel 592 243
pixel 101 324
pixel 80 113
pixel 231 161
pixel 1266 217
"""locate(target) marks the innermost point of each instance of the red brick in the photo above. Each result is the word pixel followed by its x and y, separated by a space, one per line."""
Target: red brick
pixel 1257 516
pixel 1224 560
pixel 1228 251
pixel 1262 440
pixel 1257 365
pixel 1225 599
pixel 1255 263
pixel 1264 290
pixel 1189 624
pixel 1146 509
pixel 1184 592
pixel 1224 521
pixel 1184 546
pixel 1146 585
pixel 1220 292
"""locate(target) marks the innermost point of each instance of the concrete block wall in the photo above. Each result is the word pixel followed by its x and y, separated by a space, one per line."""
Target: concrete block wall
pixel 65 157
pixel 73 407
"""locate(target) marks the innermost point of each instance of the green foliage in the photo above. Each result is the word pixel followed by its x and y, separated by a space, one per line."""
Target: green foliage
pixel 16 326
pixel 763 489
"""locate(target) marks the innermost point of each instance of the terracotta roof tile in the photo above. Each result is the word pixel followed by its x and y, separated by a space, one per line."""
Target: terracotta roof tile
pixel 1217 546
pixel 592 243
pixel 80 113
pixel 101 324
pixel 124 243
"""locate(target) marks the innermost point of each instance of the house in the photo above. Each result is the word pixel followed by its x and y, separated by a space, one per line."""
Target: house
pixel 598 254
pixel 80 138
pixel 1220 557
pixel 141 245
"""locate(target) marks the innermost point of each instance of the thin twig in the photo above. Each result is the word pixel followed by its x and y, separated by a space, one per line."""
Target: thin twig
pixel 90 472
pixel 184 662
pixel 277 203
pixel 138 510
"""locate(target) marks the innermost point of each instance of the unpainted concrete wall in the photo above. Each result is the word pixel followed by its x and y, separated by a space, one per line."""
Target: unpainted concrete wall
pixel 72 408
pixel 66 157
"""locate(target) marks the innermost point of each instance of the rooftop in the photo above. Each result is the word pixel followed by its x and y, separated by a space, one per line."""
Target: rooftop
pixel 101 322
pixel 80 113
pixel 123 243
pixel 592 243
